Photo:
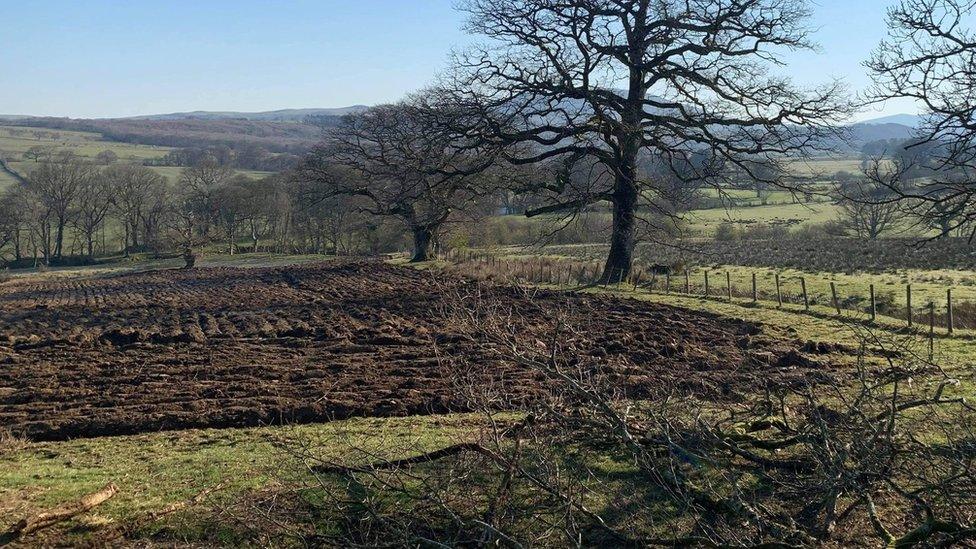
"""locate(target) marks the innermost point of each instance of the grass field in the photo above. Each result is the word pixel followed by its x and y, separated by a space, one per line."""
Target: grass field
pixel 705 222
pixel 156 470
pixel 825 166
pixel 15 141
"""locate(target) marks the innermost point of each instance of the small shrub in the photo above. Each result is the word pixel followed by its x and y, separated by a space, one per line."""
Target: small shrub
pixel 726 232
pixel 763 231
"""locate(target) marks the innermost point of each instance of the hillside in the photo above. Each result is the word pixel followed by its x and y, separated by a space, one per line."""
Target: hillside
pixel 282 115
pixel 275 136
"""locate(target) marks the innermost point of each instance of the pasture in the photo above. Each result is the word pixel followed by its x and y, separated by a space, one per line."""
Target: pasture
pixel 15 141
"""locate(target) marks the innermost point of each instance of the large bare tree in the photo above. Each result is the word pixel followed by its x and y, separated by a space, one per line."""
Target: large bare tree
pixel 91 209
pixel 866 208
pixel 403 161
pixel 136 193
pixel 57 185
pixel 930 57
pixel 618 80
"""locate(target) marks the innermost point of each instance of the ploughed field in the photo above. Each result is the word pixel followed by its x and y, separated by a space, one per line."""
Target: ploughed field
pixel 221 347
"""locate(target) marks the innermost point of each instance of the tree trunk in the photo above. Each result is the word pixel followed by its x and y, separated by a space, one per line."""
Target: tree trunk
pixel 624 237
pixel 59 240
pixel 125 240
pixel 423 244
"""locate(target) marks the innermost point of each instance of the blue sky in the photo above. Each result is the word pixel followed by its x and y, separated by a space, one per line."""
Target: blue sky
pixel 101 58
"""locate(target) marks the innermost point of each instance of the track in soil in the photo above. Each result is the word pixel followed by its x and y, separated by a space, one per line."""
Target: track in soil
pixel 225 347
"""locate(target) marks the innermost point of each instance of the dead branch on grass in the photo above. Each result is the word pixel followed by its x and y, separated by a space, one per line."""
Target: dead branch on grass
pixel 62 513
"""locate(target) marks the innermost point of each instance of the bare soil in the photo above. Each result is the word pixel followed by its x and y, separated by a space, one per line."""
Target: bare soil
pixel 222 347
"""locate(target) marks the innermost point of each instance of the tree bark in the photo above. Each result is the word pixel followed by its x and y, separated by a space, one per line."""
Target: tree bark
pixel 624 237
pixel 59 239
pixel 423 244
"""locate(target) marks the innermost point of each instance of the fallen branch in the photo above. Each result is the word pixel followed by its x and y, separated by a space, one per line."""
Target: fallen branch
pixel 59 514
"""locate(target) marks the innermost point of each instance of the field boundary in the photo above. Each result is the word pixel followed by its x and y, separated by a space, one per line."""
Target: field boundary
pixel 937 321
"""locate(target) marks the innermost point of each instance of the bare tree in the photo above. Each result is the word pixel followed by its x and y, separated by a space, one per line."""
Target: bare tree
pixel 135 190
pixel 402 162
pixel 619 79
pixel 38 153
pixel 91 208
pixel 106 157
pixel 234 202
pixel 38 216
pixel 868 209
pixel 258 208
pixel 11 226
pixel 200 184
pixel 929 57
pixel 56 185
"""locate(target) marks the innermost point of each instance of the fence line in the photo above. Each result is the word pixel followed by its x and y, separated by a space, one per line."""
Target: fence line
pixel 584 272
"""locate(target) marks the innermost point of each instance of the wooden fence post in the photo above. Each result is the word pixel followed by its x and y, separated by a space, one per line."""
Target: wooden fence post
pixel 908 302
pixel 687 282
pixel 806 300
pixel 779 294
pixel 755 289
pixel 949 310
pixel 667 283
pixel 931 329
pixel 874 305
pixel 706 282
pixel 833 297
pixel 728 284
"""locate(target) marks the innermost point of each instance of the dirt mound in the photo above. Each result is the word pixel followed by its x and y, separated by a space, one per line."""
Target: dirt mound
pixel 234 347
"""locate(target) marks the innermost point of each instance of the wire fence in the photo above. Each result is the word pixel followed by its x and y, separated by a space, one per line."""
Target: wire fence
pixel 903 305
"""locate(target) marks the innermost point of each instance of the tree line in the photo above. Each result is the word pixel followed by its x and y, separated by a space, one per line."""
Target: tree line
pixel 71 210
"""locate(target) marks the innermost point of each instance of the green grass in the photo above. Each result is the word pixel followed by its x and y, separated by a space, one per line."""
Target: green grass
pixel 927 285
pixel 820 167
pixel 155 470
pixel 705 222
pixel 14 141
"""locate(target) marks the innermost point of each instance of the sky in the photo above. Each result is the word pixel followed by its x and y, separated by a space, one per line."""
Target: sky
pixel 114 58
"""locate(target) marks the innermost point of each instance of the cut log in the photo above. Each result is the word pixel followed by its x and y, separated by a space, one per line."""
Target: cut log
pixel 64 512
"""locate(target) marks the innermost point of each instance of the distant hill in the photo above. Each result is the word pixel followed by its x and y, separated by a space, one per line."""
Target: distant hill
pixel 286 130
pixel 868 131
pixel 283 115
pixel 910 120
